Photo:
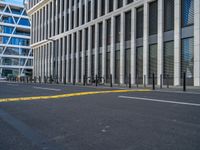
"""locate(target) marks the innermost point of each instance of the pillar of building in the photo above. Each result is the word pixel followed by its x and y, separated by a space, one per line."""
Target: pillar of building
pixel 65 15
pixel 70 14
pixel 160 41
pixel 112 49
pixel 49 20
pixel 146 43
pixel 89 51
pixel 80 12
pixel 49 60
pixel 99 8
pixel 133 45
pixel 75 13
pixel 46 59
pixel 92 9
pixel 56 18
pixel 52 18
pixel 122 48
pixel 96 48
pixel 177 41
pixel 59 59
pixel 196 43
pixel 68 57
pixel 77 55
pixel 52 56
pixel 86 11
pixel 72 57
pixel 104 29
pixel 63 60
pixel 83 56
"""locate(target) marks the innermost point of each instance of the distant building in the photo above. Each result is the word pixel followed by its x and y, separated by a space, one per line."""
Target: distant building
pixel 73 38
pixel 16 57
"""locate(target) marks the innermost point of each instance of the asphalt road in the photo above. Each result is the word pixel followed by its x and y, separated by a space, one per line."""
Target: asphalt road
pixel 110 121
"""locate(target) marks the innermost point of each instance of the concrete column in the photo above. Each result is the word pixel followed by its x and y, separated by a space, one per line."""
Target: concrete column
pixel 56 18
pixel 46 59
pixel 59 59
pixel 112 49
pixel 107 6
pixel 42 63
pixel 75 13
pixel 96 49
pixel 89 50
pixel 122 49
pixel 86 11
pixel 133 45
pixel 99 8
pixel 196 43
pixel 77 55
pixel 177 42
pixel 39 27
pixel 104 49
pixel 52 19
pixel 65 15
pixel 83 55
pixel 49 21
pixel 63 60
pixel 115 4
pixel 80 12
pixel 46 23
pixel 72 57
pixel 49 60
pixel 60 16
pixel 146 42
pixel 68 57
pixel 160 39
pixel 70 14
pixel 52 57
pixel 92 9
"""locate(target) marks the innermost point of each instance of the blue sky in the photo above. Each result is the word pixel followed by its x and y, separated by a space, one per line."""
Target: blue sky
pixel 15 1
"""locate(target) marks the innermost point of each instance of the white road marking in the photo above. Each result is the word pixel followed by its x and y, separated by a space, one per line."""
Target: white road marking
pixel 50 89
pixel 161 101
pixel 178 92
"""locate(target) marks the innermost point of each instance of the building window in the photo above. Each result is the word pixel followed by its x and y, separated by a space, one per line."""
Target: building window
pixel 95 8
pixel 187 59
pixel 128 26
pixel 93 37
pixel 153 18
pixel 168 62
pixel 117 29
pixel 139 22
pixel 152 62
pixel 107 67
pixel 100 35
pixel 100 65
pixel 127 64
pixel 119 3
pixel 110 5
pixel 102 7
pixel 187 12
pixel 129 1
pixel 168 15
pixel 108 32
pixel 89 11
pixel 139 65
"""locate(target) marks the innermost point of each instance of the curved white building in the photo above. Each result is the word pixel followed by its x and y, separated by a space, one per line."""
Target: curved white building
pixel 73 38
pixel 15 52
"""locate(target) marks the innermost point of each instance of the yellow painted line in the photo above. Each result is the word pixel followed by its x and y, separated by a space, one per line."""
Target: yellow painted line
pixel 69 95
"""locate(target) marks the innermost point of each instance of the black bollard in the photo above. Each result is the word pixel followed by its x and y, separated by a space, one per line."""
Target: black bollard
pixel 137 80
pixel 153 81
pixel 129 80
pixel 184 81
pixel 161 81
pixel 96 80
pixel 39 79
pixel 74 82
pixel 167 81
pixel 111 85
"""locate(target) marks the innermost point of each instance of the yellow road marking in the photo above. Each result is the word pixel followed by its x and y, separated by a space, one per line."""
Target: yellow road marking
pixel 69 95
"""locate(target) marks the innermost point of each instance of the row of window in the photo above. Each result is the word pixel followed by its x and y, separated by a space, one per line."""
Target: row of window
pixel 46 25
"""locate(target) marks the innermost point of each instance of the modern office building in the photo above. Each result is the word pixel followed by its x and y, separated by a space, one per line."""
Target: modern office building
pixel 73 38
pixel 16 57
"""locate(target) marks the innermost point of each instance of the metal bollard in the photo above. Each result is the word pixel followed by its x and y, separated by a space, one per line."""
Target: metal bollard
pixel 74 82
pixel 50 79
pixel 137 80
pixel 129 80
pixel 96 81
pixel 153 81
pixel 39 79
pixel 184 81
pixel 161 81
pixel 111 85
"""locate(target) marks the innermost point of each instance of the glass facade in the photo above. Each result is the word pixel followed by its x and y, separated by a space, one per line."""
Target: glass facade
pixel 16 57
pixel 187 12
